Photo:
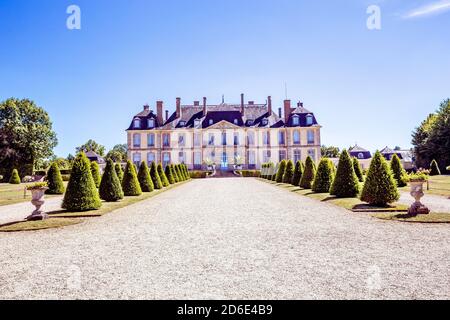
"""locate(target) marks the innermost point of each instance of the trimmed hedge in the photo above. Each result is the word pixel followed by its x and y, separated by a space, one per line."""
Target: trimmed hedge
pixel 54 180
pixel 81 194
pixel 250 173
pixel 155 176
pixel 145 181
pixel 14 179
pixel 130 183
pixel 198 174
pixel 119 171
pixel 309 174
pixel 175 174
pixel 298 172
pixel 398 171
pixel 281 171
pixel 95 171
pixel 165 182
pixel 179 173
pixel 434 169
pixel 358 170
pixel 110 189
pixel 380 187
pixel 324 176
pixel 289 172
pixel 346 183
pixel 169 174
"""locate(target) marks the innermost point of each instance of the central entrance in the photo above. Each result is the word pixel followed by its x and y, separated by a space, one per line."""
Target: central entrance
pixel 224 161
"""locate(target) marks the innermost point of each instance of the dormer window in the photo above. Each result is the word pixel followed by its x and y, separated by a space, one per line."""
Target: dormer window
pixel 309 120
pixel 295 120
pixel 197 123
pixel 151 123
pixel 265 122
pixel 137 123
pixel 211 122
pixel 236 121
pixel 182 123
pixel 250 122
pixel 360 155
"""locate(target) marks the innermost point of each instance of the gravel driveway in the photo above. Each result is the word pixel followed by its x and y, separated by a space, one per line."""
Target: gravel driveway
pixel 20 211
pixel 229 239
pixel 434 203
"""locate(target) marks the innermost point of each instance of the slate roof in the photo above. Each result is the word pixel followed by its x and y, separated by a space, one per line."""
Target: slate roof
pixel 357 150
pixel 387 150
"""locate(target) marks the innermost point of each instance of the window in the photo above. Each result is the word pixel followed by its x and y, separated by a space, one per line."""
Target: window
pixel 265 122
pixel 182 123
pixel 295 120
pixel 281 138
pixel 166 140
pixel 266 138
pixel 151 140
pixel 181 157
pixel 166 159
pixel 211 139
pixel 312 154
pixel 197 139
pixel 297 156
pixel 213 155
pixel 137 159
pixel 266 156
pixel 236 121
pixel 251 158
pixel 181 140
pixel 296 137
pixel 311 137
pixel 197 160
pixel 137 140
pixel 224 138
pixel 309 120
pixel 236 139
pixel 250 122
pixel 251 138
pixel 151 123
pixel 150 158
pixel 197 123
pixel 360 155
pixel 282 155
pixel 137 123
pixel 211 122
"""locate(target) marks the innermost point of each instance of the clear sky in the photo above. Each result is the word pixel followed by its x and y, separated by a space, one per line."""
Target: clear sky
pixel 367 86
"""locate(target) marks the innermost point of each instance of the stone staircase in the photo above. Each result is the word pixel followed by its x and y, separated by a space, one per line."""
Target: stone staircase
pixel 225 174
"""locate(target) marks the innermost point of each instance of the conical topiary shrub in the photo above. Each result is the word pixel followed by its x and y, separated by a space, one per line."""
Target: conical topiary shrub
pixel 281 171
pixel 95 171
pixel 297 173
pixel 398 171
pixel 380 187
pixel 324 176
pixel 289 172
pixel 174 173
pixel 186 170
pixel 110 188
pixel 14 179
pixel 81 193
pixel 165 182
pixel 308 174
pixel 434 169
pixel 130 183
pixel 358 170
pixel 54 180
pixel 119 171
pixel 180 175
pixel 155 176
pixel 145 181
pixel 169 174
pixel 346 183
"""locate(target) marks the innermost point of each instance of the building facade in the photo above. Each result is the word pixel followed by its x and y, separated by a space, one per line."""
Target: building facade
pixel 246 134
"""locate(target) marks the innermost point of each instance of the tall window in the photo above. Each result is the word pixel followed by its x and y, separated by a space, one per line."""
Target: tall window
pixel 296 137
pixel 166 140
pixel 181 140
pixel 295 120
pixel 251 159
pixel 282 155
pixel 311 137
pixel 197 139
pixel 251 138
pixel 309 120
pixel 150 158
pixel 297 156
pixel 312 154
pixel 137 159
pixel 266 155
pixel 137 140
pixel 236 139
pixel 181 157
pixel 224 138
pixel 137 123
pixel 166 159
pixel 211 139
pixel 197 160
pixel 151 140
pixel 266 138
pixel 281 138
pixel 151 123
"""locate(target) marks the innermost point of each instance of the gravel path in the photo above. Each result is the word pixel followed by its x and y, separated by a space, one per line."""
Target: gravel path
pixel 19 211
pixel 228 239
pixel 434 203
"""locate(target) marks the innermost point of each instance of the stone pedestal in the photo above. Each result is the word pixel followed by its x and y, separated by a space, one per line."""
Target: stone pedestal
pixel 417 193
pixel 38 201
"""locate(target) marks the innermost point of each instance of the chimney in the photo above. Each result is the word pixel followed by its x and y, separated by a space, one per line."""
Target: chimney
pixel 287 110
pixel 146 107
pixel 300 104
pixel 242 104
pixel 269 105
pixel 250 103
pixel 159 112
pixel 279 112
pixel 178 108
pixel 205 108
pixel 196 103
pixel 167 115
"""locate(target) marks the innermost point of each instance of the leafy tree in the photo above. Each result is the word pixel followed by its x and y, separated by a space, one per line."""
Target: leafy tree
pixel 330 151
pixel 345 184
pixel 92 145
pixel 155 176
pixel 289 172
pixel 358 170
pixel 309 174
pixel 281 171
pixel 434 169
pixel 119 171
pixel 380 187
pixel 81 194
pixel 162 176
pixel 118 153
pixel 169 174
pixel 144 178
pixel 175 174
pixel 324 176
pixel 26 136
pixel 297 173
pixel 14 179
pixel 95 171
pixel 130 183
pixel 398 171
pixel 110 187
pixel 54 180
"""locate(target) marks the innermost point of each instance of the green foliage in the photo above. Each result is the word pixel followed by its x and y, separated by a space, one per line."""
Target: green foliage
pixel 198 174
pixel 92 145
pixel 309 174
pixel 95 171
pixel 37 186
pixel 324 176
pixel 169 174
pixel 119 171
pixel 398 171
pixel 165 182
pixel 110 187
pixel 130 183
pixel 157 183
pixel 289 172
pixel 54 180
pixel 81 193
pixel 144 178
pixel 298 172
pixel 175 173
pixel 380 187
pixel 186 170
pixel 14 179
pixel 330 152
pixel 434 168
pixel 250 173
pixel 345 184
pixel 358 170
pixel 118 153
pixel 280 172
pixel 179 173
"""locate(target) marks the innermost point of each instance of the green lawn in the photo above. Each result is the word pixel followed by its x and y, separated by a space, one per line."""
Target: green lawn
pixel 14 193
pixel 438 185
pixel 423 218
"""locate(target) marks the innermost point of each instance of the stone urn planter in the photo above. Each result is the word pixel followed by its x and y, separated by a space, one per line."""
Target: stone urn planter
pixel 37 199
pixel 417 193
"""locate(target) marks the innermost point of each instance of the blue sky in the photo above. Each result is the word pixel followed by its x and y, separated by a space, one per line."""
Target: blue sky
pixel 367 86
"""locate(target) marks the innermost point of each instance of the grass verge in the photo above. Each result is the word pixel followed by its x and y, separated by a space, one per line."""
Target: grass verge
pixel 422 218
pixel 39 225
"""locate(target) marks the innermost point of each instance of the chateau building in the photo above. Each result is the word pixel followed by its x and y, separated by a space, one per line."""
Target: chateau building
pixel 246 134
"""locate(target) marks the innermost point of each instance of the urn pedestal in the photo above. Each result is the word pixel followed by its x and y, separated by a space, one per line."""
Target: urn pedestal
pixel 417 193
pixel 37 199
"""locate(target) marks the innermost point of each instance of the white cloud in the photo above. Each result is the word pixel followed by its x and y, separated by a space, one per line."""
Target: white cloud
pixel 432 8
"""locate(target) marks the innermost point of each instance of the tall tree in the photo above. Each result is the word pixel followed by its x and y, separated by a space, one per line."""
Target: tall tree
pixel 26 135
pixel 92 145
pixel 118 153
pixel 330 151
